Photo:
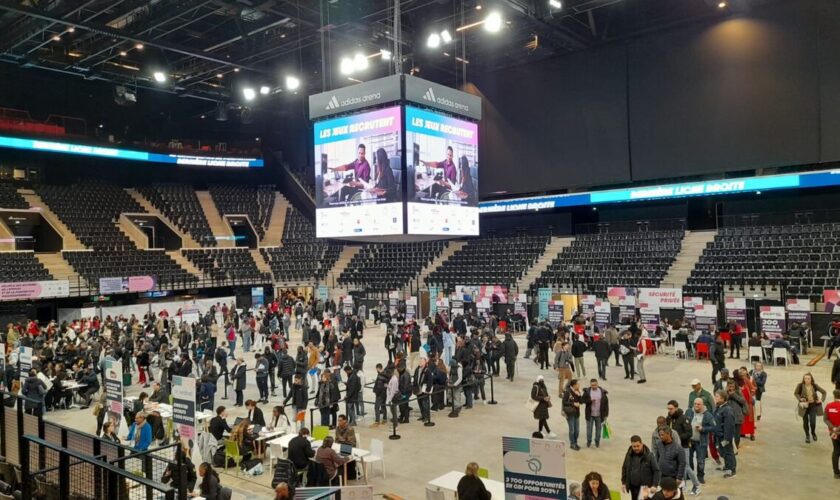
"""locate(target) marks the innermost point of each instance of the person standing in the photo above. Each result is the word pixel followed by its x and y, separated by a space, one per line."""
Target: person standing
pixel 810 396
pixel 640 469
pixel 627 348
pixel 717 356
pixel 725 429
pixel 578 350
pixel 670 455
pixel 702 423
pixel 239 374
pixel 380 388
pixel 262 367
pixel 563 364
pixel 572 401
pixel 539 393
pixel 421 387
pixel 759 379
pixel 510 350
pixel 602 356
pixel 641 354
pixel 596 412
pixel 351 396
pixel 831 418
pixel 613 339
pixel 678 422
pixel 736 333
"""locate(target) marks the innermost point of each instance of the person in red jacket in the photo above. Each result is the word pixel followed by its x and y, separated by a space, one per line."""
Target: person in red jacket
pixel 831 417
pixel 32 328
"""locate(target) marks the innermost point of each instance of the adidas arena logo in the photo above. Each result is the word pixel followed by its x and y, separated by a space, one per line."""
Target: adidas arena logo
pixel 334 103
pixel 443 101
pixel 430 95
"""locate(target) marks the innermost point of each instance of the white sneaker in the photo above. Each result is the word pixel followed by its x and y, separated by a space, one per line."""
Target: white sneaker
pixel 552 435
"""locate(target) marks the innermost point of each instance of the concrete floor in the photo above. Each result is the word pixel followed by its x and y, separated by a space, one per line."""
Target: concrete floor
pixel 778 463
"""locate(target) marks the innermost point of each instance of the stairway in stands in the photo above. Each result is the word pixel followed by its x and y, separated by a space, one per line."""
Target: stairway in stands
pixel 693 245
pixel 447 252
pixel 262 265
pixel 185 263
pixel 347 253
pixel 60 269
pixel 277 222
pixel 187 241
pixel 35 201
pixel 217 224
pixel 552 250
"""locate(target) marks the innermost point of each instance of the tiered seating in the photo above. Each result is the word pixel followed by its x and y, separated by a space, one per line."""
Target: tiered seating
pixel 129 262
pixel 302 257
pixel 91 211
pixel 389 266
pixel 180 205
pixel 21 266
pixel 594 262
pixel 222 264
pixel 489 261
pixel 805 258
pixel 256 203
pixel 10 198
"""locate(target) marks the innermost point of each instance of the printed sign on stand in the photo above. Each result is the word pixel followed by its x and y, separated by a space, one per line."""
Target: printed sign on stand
pixel 650 317
pixel 663 298
pixel 393 302
pixel 543 295
pixel 457 305
pixel 736 310
pixel 411 308
pixel 484 307
pixel 555 312
pixel 689 303
pixel 25 359
pixel 534 468
pixel 603 314
pixel 706 317
pixel 772 321
pixel 442 305
pixel 114 390
pixel 588 305
pixel 627 308
pixel 799 311
pixel 433 297
pixel 183 407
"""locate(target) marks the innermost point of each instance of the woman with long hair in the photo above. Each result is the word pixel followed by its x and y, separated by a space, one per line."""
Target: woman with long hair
pixel 243 437
pixel 759 379
pixel 810 396
pixel 467 185
pixel 386 185
pixel 539 393
pixel 594 487
pixel 210 487
pixel 747 388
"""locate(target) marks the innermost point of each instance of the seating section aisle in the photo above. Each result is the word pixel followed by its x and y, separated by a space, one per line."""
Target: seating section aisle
pixel 129 262
pixel 498 260
pixel 256 203
pixel 805 258
pixel 302 257
pixel 179 203
pixel 10 198
pixel 380 267
pixel 21 266
pixel 594 262
pixel 91 211
pixel 223 264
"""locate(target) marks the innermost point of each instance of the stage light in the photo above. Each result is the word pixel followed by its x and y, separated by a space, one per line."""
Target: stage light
pixel 346 66
pixel 138 46
pixel 555 4
pixel 386 54
pixel 493 22
pixel 265 89
pixel 56 38
pixel 433 41
pixel 219 75
pixel 249 93
pixel 71 30
pixel 236 70
pixel 292 83
pixel 478 7
pixel 360 62
pixel 123 53
pixel 160 76
pixel 445 36
pixel 722 5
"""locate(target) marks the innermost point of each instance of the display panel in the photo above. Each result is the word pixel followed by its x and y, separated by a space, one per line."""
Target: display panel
pixel 442 172
pixel 358 170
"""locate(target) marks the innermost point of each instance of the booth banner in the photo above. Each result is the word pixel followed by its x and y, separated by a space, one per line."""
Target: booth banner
pixel 588 305
pixel 520 305
pixel 26 290
pixel 457 305
pixel 772 321
pixel 534 468
pixel 393 302
pixel 411 308
pixel 190 315
pixel 114 387
pixel 736 310
pixel 831 298
pixel 496 293
pixel 555 312
pixel 183 406
pixel 130 284
pixel 543 295
pixel 433 297
pixel 689 303
pixel 603 314
pixel 650 317
pixel 663 298
pixel 323 293
pixel 799 311
pixel 484 307
pixel 442 305
pixel 468 293
pixel 347 305
pixel 627 308
pixel 257 296
pixel 705 316
pixel 25 360
pixel 616 293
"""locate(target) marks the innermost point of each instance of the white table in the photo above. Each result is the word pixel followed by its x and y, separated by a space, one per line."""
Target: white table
pixel 266 435
pixel 356 454
pixel 449 482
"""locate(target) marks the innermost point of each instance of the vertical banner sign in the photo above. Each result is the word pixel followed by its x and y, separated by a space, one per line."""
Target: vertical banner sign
pixel 705 317
pixel 347 305
pixel 603 314
pixel 457 305
pixel 323 293
pixel 433 297
pixel 544 295
pixel 25 359
pixel 627 308
pixel 3 364
pixel 689 303
pixel 650 317
pixel 736 311
pixel 520 307
pixel 588 305
pixel 393 301
pixel 411 308
pixel 772 321
pixel 442 305
pixel 114 389
pixel 483 307
pixel 555 312
pixel 663 298
pixel 534 468
pixel 799 311
pixel 183 407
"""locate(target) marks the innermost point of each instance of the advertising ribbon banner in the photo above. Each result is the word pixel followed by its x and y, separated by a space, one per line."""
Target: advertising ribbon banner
pixel 534 468
pixel 772 321
pixel 26 290
pixel 663 298
pixel 183 406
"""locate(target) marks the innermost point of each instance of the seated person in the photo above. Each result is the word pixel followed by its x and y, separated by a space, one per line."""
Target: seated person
pixel 218 424
pixel 255 415
pixel 345 434
pixel 781 343
pixel 138 406
pixel 244 438
pixel 159 395
pixel 278 421
pixel 300 450
pixel 754 341
pixel 704 338
pixel 331 460
pixel 140 433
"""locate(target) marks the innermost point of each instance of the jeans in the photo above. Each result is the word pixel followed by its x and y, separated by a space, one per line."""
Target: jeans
pixel 697 458
pixel 239 398
pixel 262 386
pixel 360 405
pixel 629 366
pixel 735 346
pixel 640 367
pixel 580 370
pixel 246 342
pixel 809 419
pixel 457 399
pixel 379 409
pixel 602 367
pixel 232 348
pixel 468 395
pixel 689 470
pixel 544 362
pixel 728 454
pixel 835 455
pixel 715 370
pixel 350 409
pixel 574 428
pixel 615 351
pixel 286 380
pixel 325 416
pixel 510 366
pixel 597 422
pixel 423 401
pixel 448 352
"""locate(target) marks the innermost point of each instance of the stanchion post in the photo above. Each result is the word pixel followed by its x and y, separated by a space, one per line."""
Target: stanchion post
pixel 394 436
pixel 492 396
pixel 429 423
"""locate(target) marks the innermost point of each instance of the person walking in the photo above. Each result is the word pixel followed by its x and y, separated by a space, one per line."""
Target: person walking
pixel 563 363
pixel 602 356
pixel 810 396
pixel 717 356
pixel 670 455
pixel 572 401
pixel 831 418
pixel 510 350
pixel 640 470
pixel 539 393
pixel 627 348
pixel 678 422
pixel 613 339
pixel 702 424
pixel 725 434
pixel 596 412
pixel 759 379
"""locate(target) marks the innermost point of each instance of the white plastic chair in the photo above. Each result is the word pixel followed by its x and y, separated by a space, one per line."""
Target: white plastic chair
pixel 434 493
pixel 756 352
pixel 275 451
pixel 377 454
pixel 681 348
pixel 781 353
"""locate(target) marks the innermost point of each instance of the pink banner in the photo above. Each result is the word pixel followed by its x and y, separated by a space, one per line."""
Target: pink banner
pixel 140 283
pixel 26 290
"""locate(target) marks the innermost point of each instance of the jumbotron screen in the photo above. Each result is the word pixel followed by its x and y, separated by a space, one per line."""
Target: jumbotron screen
pixel 358 169
pixel 443 174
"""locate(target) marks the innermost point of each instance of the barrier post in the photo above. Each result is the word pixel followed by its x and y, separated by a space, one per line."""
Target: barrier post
pixel 394 436
pixel 492 396
pixel 429 423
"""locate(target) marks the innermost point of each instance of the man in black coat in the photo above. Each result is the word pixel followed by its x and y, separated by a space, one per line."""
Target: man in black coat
pixel 218 424
pixel 300 450
pixel 238 374
pixel 255 415
pixel 510 350
pixel 640 468
pixel 351 397
pixel 602 355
